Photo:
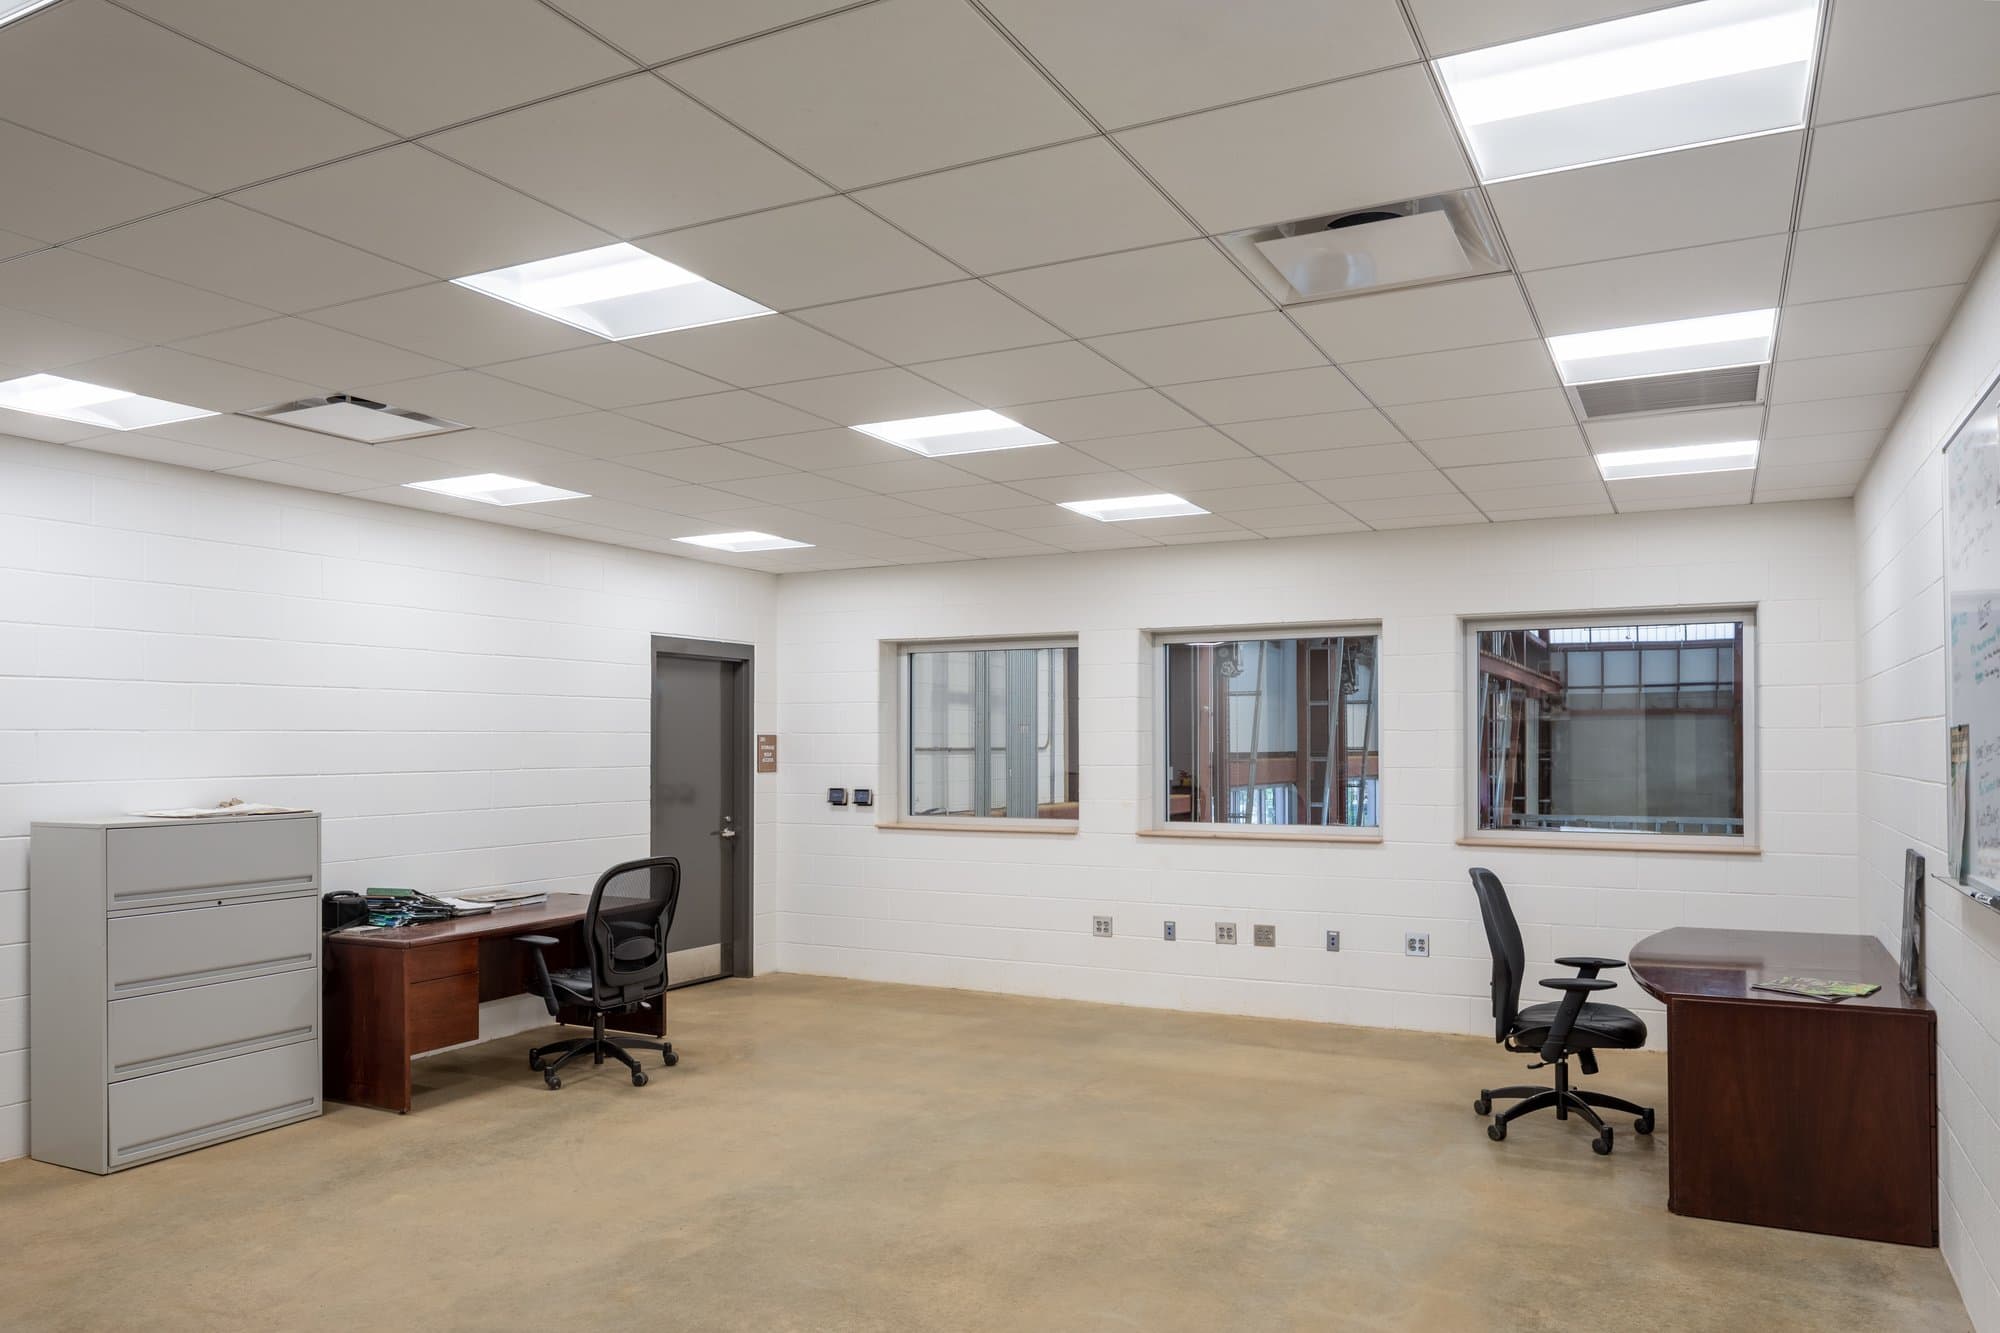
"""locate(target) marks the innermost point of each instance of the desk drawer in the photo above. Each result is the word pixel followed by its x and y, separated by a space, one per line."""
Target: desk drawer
pixel 150 1034
pixel 162 864
pixel 431 961
pixel 444 1012
pixel 187 1108
pixel 161 951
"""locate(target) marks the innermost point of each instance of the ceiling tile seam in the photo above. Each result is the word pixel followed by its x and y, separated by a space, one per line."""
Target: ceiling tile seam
pixel 1906 110
pixel 1822 40
pixel 724 45
pixel 1435 54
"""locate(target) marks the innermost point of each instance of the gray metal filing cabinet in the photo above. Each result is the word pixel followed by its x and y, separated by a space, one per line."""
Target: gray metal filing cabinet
pixel 173 971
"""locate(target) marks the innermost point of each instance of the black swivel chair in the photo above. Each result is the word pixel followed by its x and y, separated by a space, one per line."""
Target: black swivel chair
pixel 625 936
pixel 1556 1030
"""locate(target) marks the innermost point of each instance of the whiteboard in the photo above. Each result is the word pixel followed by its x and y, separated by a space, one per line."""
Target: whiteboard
pixel 1972 645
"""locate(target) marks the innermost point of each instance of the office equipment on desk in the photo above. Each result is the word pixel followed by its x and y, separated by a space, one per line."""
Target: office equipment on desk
pixel 391 995
pixel 625 968
pixel 1911 973
pixel 1554 1031
pixel 174 984
pixel 1792 1112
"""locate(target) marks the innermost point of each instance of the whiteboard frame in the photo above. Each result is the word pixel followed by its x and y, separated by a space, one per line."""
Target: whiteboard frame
pixel 1979 890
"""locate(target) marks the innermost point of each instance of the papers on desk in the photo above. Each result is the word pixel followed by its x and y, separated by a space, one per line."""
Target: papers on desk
pixel 229 809
pixel 402 907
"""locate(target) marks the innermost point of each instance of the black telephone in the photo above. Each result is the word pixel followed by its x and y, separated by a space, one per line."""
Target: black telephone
pixel 337 911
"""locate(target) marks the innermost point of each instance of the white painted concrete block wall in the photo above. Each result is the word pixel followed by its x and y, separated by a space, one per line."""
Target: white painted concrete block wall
pixel 1012 912
pixel 1901 747
pixel 468 704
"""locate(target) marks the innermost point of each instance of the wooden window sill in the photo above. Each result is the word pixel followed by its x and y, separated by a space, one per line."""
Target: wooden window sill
pixel 1032 827
pixel 1584 842
pixel 1362 837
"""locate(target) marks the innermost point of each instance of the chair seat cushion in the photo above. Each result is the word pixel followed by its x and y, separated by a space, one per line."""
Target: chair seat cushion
pixel 574 982
pixel 1596 1025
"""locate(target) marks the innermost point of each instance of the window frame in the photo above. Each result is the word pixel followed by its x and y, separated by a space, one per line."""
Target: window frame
pixel 1471 835
pixel 893 813
pixel 1157 824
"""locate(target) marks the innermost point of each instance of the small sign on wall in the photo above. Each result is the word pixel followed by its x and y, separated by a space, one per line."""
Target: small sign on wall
pixel 767 754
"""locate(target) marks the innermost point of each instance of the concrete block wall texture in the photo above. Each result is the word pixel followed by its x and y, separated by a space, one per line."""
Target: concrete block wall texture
pixel 468 704
pixel 1901 704
pixel 1012 912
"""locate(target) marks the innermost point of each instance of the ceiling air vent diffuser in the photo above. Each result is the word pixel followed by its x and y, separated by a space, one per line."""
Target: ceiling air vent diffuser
pixel 354 418
pixel 1732 386
pixel 1433 239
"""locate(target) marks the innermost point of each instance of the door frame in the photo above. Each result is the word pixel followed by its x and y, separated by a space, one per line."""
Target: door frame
pixel 743 915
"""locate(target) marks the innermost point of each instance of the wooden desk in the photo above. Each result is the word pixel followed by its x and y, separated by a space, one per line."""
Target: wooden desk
pixel 393 994
pixel 1786 1111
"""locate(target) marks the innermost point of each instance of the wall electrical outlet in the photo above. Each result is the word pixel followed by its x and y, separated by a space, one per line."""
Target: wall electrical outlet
pixel 1225 932
pixel 1333 941
pixel 1100 926
pixel 1264 937
pixel 1169 932
pixel 1417 943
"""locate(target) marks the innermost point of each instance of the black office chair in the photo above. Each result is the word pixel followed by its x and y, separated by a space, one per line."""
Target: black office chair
pixel 625 935
pixel 1555 1030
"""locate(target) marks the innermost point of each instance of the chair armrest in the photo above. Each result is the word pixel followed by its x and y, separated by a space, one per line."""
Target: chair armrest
pixel 539 941
pixel 540 982
pixel 1592 963
pixel 1574 990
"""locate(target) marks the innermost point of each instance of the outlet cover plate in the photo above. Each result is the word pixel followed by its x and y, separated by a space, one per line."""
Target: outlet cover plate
pixel 1333 941
pixel 1225 932
pixel 1264 937
pixel 1100 926
pixel 1168 932
pixel 1417 943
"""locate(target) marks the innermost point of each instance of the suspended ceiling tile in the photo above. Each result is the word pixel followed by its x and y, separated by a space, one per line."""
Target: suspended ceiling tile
pixel 301 350
pixel 1464 372
pixel 1131 412
pixel 1214 349
pixel 1032 208
pixel 805 255
pixel 606 375
pixel 1467 313
pixel 57 192
pixel 1135 60
pixel 883 91
pixel 1449 26
pixel 1655 288
pixel 1938 157
pixel 1136 289
pixel 1865 323
pixel 1932 249
pixel 724 418
pixel 1284 393
pixel 633 157
pixel 749 352
pixel 1297 155
pixel 956 319
pixel 452 324
pixel 75 288
pixel 1318 431
pixel 892 394
pixel 1883 58
pixel 1028 374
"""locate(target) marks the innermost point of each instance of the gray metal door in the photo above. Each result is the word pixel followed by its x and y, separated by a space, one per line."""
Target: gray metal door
pixel 700 807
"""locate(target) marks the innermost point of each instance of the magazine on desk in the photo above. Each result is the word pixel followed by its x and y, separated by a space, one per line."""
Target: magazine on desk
pixel 1818 988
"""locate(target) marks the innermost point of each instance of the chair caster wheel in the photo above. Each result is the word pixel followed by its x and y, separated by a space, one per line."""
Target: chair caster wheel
pixel 1484 1106
pixel 553 1081
pixel 1496 1132
pixel 639 1079
pixel 671 1058
pixel 1644 1124
pixel 1601 1145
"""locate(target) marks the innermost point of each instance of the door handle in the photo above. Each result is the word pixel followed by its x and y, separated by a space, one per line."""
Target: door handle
pixel 722 833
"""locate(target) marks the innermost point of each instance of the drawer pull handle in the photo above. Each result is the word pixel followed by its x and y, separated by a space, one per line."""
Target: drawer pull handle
pixel 199 1053
pixel 150 1146
pixel 173 980
pixel 208 890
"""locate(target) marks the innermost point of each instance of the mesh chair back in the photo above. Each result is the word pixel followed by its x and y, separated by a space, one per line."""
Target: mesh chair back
pixel 631 911
pixel 1503 938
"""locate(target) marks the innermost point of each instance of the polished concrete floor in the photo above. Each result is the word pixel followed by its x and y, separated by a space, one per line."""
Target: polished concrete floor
pixel 837 1155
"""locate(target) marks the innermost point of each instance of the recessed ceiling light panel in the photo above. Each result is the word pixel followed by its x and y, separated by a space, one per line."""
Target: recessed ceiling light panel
pixel 745 543
pixel 615 291
pixel 1673 78
pixel 1708 343
pixel 1433 239
pixel 1124 509
pixel 353 418
pixel 955 433
pixel 20 9
pixel 1678 460
pixel 491 488
pixel 92 404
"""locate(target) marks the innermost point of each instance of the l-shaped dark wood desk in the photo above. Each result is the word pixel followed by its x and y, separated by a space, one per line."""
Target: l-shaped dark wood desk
pixel 1788 1111
pixel 394 994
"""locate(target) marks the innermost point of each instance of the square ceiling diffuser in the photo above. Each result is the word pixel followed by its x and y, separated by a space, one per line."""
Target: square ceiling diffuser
pixel 353 418
pixel 1433 239
pixel 1671 78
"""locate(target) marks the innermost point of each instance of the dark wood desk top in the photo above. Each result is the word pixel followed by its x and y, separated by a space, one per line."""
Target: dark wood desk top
pixel 562 909
pixel 1690 963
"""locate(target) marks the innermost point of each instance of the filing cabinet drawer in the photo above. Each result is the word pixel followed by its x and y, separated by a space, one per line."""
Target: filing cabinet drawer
pixel 160 951
pixel 186 1108
pixel 162 864
pixel 153 1033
